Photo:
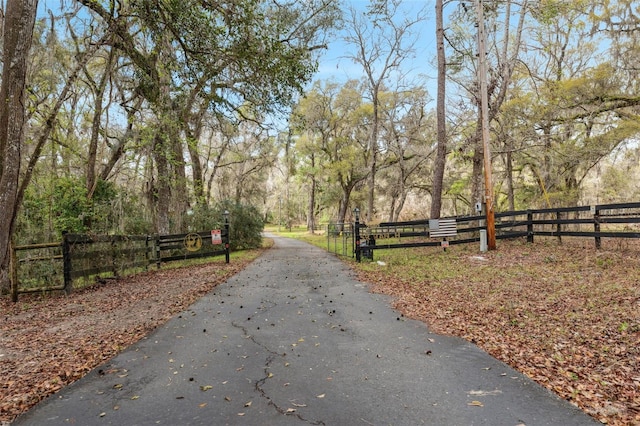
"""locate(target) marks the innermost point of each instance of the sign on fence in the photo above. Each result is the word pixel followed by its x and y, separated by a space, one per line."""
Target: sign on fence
pixel 442 228
pixel 193 242
pixel 216 236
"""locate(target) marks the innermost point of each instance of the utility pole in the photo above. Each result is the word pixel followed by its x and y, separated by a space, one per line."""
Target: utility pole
pixel 484 114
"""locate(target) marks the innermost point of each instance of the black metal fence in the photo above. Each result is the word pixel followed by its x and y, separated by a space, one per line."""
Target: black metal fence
pixel 597 222
pixel 55 266
pixel 340 238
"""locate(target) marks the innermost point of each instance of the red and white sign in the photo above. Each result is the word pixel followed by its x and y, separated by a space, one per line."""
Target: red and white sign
pixel 216 236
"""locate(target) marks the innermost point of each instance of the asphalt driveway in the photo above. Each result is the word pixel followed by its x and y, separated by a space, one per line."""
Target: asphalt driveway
pixel 294 339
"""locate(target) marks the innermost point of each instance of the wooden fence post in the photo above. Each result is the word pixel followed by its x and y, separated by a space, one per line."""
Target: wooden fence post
pixel 114 258
pixel 66 262
pixel 558 226
pixel 157 250
pixel 146 253
pixel 529 226
pixel 596 227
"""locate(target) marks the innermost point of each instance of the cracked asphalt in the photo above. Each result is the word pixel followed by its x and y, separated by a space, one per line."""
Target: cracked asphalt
pixel 294 339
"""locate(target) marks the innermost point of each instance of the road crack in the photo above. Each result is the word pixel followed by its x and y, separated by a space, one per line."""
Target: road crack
pixel 273 355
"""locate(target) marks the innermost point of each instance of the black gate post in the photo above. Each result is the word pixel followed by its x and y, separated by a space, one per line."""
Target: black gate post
pixel 226 239
pixel 529 226
pixel 596 227
pixel 356 233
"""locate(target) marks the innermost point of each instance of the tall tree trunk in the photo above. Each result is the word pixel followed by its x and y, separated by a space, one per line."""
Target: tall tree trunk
pixel 477 179
pixel 161 195
pixel 95 126
pixel 400 205
pixel 373 168
pixel 179 183
pixel 509 171
pixel 119 149
pixel 17 36
pixel 196 166
pixel 192 136
pixel 311 210
pixel 441 151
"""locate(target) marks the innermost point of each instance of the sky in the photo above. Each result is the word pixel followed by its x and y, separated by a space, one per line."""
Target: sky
pixel 335 64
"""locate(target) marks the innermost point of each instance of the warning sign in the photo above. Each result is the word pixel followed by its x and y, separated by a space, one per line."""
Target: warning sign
pixel 216 236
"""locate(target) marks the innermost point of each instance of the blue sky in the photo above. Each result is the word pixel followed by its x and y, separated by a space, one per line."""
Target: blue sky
pixel 335 63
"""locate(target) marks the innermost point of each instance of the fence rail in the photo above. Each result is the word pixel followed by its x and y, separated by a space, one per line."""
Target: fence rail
pixel 55 266
pixel 597 222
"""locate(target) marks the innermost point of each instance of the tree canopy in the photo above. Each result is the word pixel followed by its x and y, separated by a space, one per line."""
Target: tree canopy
pixel 140 113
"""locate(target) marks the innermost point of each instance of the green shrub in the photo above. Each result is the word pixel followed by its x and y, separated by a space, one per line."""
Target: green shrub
pixel 245 223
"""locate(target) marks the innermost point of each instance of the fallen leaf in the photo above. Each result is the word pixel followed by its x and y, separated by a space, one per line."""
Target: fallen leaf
pixel 206 387
pixel 226 398
pixel 247 404
pixel 485 393
pixel 476 404
pixel 204 404
pixel 320 396
pixel 134 397
pixel 290 410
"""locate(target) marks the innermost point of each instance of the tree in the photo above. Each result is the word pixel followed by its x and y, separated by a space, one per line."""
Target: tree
pixel 19 21
pixel 407 127
pixel 503 54
pixel 382 41
pixel 237 58
pixel 335 119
